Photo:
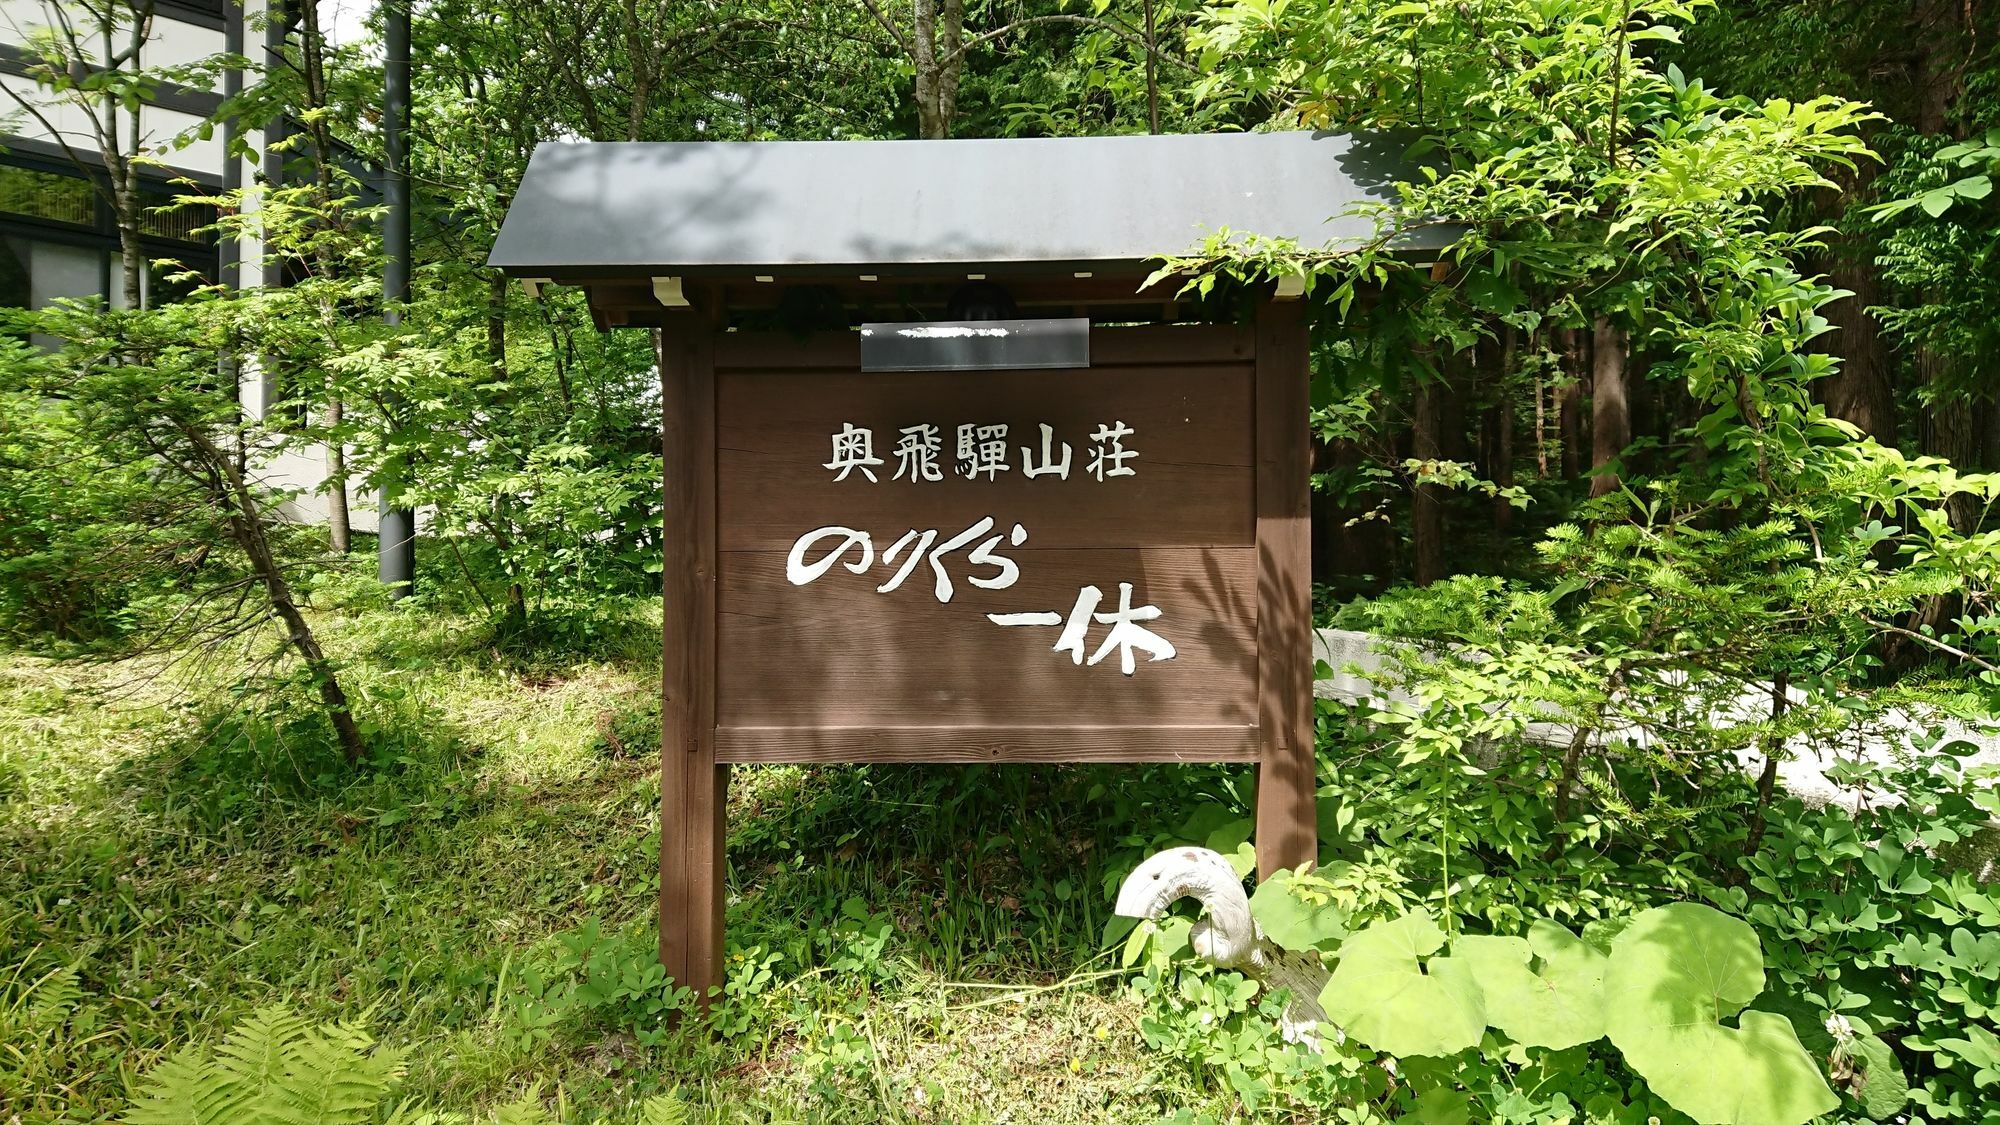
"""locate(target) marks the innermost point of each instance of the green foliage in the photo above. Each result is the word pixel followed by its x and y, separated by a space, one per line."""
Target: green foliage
pixel 1393 991
pixel 274 1068
pixel 1544 990
pixel 1673 973
pixel 1293 913
pixel 75 521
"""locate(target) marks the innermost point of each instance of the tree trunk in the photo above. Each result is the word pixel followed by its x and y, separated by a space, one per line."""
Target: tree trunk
pixel 514 622
pixel 1500 459
pixel 930 116
pixel 339 528
pixel 127 206
pixel 1951 429
pixel 246 526
pixel 937 53
pixel 312 52
pixel 1427 523
pixel 1610 405
pixel 1569 403
pixel 1860 392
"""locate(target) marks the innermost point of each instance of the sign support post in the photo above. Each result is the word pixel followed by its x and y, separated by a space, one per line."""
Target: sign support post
pixel 693 787
pixel 1287 819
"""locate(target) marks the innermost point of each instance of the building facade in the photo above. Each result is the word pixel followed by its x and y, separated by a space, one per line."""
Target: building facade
pixel 58 237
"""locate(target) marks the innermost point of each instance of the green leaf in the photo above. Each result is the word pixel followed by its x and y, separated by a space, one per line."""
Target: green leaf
pixel 1233 841
pixel 1879 1082
pixel 1972 187
pixel 1674 973
pixel 1392 994
pixel 1291 921
pixel 1557 1003
pixel 1442 1105
pixel 1493 293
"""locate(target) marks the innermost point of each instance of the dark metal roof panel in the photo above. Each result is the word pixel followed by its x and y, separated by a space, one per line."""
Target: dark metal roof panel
pixel 598 209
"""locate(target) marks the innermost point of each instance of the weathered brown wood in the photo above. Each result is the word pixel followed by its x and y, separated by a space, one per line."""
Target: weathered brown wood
pixel 693 787
pixel 1287 827
pixel 1109 347
pixel 988 744
pixel 836 653
pixel 1190 429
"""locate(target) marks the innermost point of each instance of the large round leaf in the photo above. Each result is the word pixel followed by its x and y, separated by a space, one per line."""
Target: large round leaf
pixel 1674 974
pixel 1392 994
pixel 1292 922
pixel 1545 990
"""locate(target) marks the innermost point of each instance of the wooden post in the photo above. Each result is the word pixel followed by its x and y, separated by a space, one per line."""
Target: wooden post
pixel 1287 821
pixel 693 788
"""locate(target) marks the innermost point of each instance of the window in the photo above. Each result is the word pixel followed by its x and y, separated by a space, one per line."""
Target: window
pixel 180 222
pixel 47 195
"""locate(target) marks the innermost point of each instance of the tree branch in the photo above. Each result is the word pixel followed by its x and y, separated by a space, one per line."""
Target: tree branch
pixel 1933 642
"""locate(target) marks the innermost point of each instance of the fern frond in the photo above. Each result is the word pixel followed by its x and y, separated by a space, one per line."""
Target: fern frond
pixel 666 1109
pixel 527 1111
pixel 250 1062
pixel 170 1093
pixel 411 1112
pixel 335 1079
pixel 50 1000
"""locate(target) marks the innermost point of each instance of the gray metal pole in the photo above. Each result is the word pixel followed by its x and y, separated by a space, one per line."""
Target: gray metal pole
pixel 397 526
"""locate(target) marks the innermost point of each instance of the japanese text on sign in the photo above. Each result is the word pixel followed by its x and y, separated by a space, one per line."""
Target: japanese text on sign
pixel 979 450
pixel 816 552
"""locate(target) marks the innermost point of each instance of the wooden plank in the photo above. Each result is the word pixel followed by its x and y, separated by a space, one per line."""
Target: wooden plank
pixel 1287 829
pixel 693 787
pixel 1190 428
pixel 988 744
pixel 1136 345
pixel 834 652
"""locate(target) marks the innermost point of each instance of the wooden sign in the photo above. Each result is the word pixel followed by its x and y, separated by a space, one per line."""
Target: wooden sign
pixel 1094 564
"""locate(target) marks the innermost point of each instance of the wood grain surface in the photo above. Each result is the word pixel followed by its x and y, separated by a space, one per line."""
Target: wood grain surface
pixel 1192 481
pixel 837 653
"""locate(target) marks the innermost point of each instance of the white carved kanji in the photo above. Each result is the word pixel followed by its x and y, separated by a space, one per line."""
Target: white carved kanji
pixel 853 448
pixel 917 449
pixel 1127 634
pixel 1048 465
pixel 1108 455
pixel 982 449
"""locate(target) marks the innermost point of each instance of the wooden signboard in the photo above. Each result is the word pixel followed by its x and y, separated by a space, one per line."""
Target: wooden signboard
pixel 1106 563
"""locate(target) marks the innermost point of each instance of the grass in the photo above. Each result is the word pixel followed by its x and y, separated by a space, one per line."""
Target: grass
pixel 185 849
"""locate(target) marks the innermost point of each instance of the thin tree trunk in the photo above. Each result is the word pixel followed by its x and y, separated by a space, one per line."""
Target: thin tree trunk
pixel 1767 778
pixel 930 113
pixel 1610 405
pixel 1427 522
pixel 339 529
pixel 1500 466
pixel 514 622
pixel 122 167
pixel 1569 403
pixel 312 52
pixel 1541 422
pixel 246 526
pixel 1152 71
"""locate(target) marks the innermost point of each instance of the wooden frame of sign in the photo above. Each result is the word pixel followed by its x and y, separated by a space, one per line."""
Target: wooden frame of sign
pixel 1106 564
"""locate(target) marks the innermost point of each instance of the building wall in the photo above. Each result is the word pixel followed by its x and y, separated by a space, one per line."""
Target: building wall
pixel 64 244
